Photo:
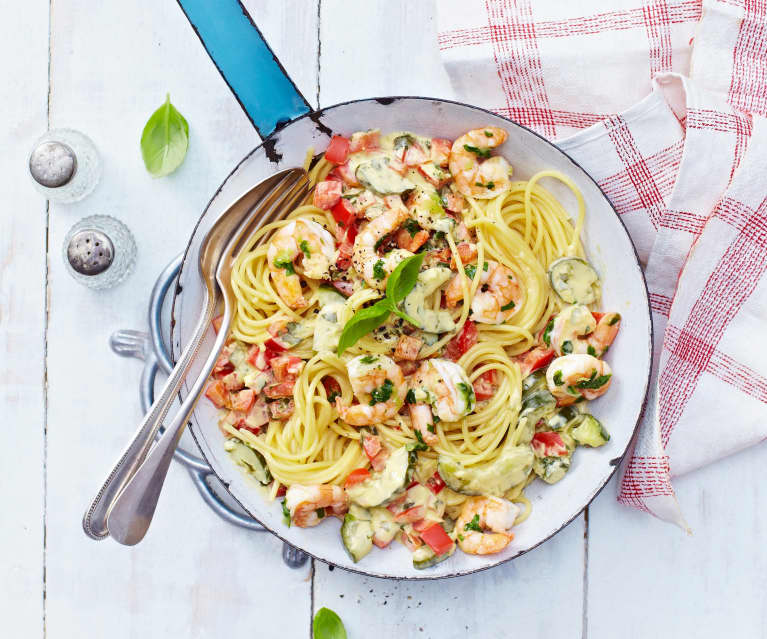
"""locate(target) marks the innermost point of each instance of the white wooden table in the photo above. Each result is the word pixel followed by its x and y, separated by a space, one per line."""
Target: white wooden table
pixel 68 404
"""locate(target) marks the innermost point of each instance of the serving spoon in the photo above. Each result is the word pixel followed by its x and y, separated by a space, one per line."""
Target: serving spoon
pixel 259 205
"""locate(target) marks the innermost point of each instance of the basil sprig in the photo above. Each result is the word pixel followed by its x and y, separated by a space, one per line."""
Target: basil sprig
pixel 165 140
pixel 401 281
pixel 328 625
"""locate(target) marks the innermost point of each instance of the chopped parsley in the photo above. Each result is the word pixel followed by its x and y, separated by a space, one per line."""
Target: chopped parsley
pixel 591 350
pixel 594 381
pixel 421 445
pixel 485 266
pixel 467 391
pixel 320 513
pixel 558 378
pixel 567 347
pixel 410 397
pixel 470 270
pixel 507 307
pixel 473 524
pixel 547 333
pixel 287 264
pixel 482 153
pixel 304 245
pixel 489 185
pixel 437 420
pixel 460 537
pixel 333 395
pixel 411 226
pixel 285 513
pixel 614 320
pixel 431 428
pixel 382 393
pixel 378 270
pixel 488 134
pixel 369 359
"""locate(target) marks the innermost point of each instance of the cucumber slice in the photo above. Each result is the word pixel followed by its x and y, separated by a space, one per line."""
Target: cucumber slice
pixel 533 382
pixel 383 485
pixel 357 534
pixel 574 280
pixel 384 527
pixel 510 468
pixel 552 469
pixel 251 460
pixel 563 417
pixel 536 406
pixel 377 176
pixel 424 557
pixel 590 432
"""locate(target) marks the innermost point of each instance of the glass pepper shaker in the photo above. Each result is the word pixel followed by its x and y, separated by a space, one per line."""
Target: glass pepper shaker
pixel 64 165
pixel 99 251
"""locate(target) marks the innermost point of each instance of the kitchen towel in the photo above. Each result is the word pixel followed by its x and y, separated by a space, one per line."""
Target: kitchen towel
pixel 663 102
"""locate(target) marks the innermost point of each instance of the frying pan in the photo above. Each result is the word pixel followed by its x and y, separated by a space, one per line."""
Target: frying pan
pixel 288 127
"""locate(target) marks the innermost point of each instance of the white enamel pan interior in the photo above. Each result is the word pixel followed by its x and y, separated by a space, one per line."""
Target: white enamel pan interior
pixel 608 247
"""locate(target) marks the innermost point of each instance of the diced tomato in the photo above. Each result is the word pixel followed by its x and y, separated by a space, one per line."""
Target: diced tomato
pixel 462 342
pixel 338 150
pixel 243 400
pixel 286 367
pixel 371 444
pixel 281 491
pixel 410 539
pixel 356 477
pixel 435 483
pixel 534 359
pixel 217 393
pixel 364 140
pixel 255 358
pixel 408 347
pixel 394 506
pixel 380 541
pixel 281 409
pixel 257 416
pixel 440 151
pixel 344 173
pixel 467 252
pixel 548 444
pixel 280 389
pixel 415 155
pixel 485 385
pixel 223 366
pixel 332 387
pixel 343 214
pixel 327 193
pixel 233 382
pixel 217 323
pixel 411 242
pixel 597 316
pixel 453 201
pixel 436 538
pixel 342 286
pixel 410 514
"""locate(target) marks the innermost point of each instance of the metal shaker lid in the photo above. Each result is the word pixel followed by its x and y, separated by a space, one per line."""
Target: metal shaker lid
pixel 52 164
pixel 90 252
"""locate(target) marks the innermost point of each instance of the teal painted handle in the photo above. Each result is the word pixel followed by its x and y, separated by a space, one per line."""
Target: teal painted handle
pixel 250 68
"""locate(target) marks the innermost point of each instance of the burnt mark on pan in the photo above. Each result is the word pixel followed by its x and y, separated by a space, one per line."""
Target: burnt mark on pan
pixel 385 101
pixel 319 124
pixel 270 149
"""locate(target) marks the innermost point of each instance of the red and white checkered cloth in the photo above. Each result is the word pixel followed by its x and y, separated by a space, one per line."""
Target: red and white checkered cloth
pixel 662 102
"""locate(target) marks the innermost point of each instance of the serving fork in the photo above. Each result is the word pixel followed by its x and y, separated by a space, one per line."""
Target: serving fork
pixel 125 504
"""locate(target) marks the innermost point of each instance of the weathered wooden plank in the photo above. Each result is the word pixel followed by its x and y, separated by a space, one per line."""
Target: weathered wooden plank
pixel 23 93
pixel 193 575
pixel 648 579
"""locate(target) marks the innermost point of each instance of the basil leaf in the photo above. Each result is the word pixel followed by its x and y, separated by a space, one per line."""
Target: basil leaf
pixel 363 322
pixel 403 278
pixel 165 140
pixel 328 625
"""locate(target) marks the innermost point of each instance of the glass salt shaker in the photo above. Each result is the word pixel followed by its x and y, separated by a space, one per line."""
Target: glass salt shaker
pixel 64 165
pixel 99 251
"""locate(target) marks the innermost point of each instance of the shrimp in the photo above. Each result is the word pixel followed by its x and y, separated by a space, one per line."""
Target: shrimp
pixel 495 300
pixel 439 387
pixel 308 505
pixel 573 377
pixel 493 516
pixel 576 330
pixel 379 386
pixel 366 261
pixel 301 246
pixel 481 180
